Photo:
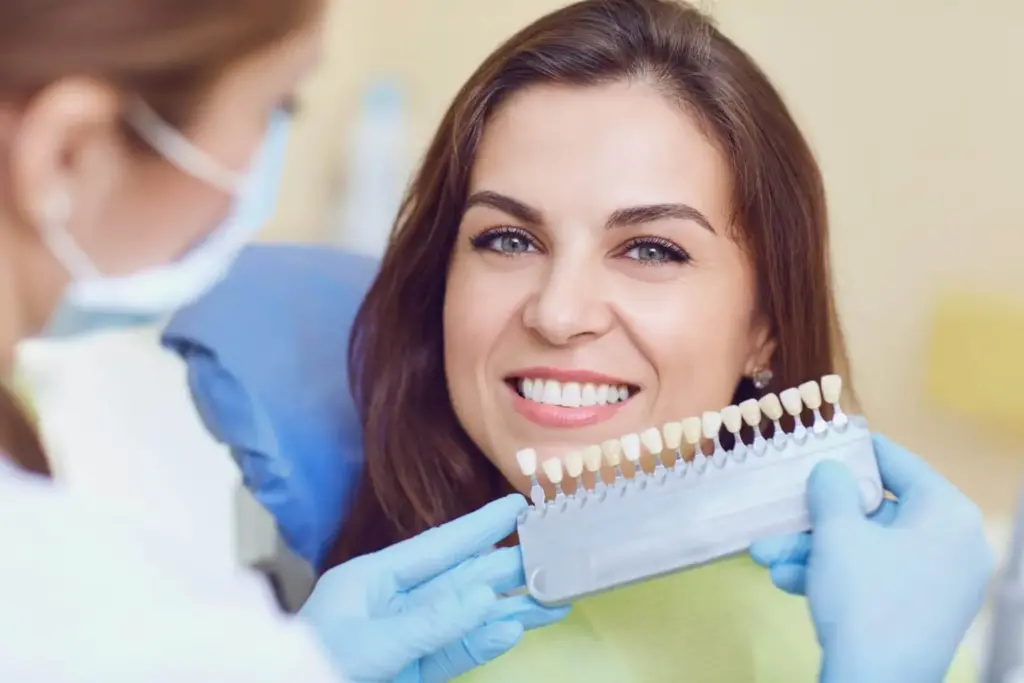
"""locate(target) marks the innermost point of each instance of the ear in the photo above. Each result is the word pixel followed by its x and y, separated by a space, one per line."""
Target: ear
pixel 762 347
pixel 67 141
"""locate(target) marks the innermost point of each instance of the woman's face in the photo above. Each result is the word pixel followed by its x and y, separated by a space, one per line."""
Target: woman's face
pixel 595 288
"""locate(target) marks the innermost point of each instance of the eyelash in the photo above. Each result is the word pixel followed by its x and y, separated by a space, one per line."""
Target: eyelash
pixel 674 253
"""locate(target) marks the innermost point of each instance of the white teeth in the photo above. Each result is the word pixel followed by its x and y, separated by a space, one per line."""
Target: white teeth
pixel 552 393
pixel 651 439
pixel 527 459
pixel 631 447
pixel 571 394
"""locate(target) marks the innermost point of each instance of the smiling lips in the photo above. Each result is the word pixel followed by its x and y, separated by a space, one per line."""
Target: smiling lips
pixel 567 399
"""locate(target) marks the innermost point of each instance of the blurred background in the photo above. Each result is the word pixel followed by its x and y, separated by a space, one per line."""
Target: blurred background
pixel 914 109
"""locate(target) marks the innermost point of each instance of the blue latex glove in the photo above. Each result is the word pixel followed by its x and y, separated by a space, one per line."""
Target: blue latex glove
pixel 428 609
pixel 892 595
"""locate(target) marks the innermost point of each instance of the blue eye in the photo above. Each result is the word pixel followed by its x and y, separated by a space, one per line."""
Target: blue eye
pixel 505 241
pixel 653 252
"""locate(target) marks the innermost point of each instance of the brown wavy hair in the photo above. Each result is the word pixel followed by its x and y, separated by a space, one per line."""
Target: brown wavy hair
pixel 421 467
pixel 168 51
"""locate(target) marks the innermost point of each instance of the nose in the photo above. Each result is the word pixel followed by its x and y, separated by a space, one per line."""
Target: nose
pixel 569 305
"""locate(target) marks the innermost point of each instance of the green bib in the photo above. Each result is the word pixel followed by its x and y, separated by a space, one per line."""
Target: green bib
pixel 722 623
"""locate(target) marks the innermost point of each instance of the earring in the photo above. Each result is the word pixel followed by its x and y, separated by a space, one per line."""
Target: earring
pixel 762 377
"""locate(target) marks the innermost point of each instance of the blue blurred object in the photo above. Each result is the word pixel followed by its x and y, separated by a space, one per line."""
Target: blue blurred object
pixel 266 352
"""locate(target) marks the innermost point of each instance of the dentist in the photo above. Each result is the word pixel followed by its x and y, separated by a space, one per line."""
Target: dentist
pixel 141 143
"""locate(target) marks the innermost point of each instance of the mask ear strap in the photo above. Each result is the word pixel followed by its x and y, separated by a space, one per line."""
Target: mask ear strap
pixel 179 150
pixel 53 229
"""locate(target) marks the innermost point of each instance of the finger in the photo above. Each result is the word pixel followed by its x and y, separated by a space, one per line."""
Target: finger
pixel 432 552
pixel 434 625
pixel 786 549
pixel 832 493
pixel 478 647
pixel 501 569
pixel 886 512
pixel 790 578
pixel 901 470
pixel 526 611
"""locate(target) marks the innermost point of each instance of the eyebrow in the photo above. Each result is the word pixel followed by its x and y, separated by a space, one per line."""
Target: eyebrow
pixel 634 215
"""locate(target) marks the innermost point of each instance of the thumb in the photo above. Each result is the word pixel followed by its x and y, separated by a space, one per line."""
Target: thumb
pixel 436 624
pixel 832 493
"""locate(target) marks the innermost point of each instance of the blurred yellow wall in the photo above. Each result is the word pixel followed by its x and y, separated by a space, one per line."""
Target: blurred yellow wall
pixel 915 109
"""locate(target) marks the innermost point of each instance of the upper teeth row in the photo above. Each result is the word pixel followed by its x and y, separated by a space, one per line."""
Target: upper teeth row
pixel 691 430
pixel 571 394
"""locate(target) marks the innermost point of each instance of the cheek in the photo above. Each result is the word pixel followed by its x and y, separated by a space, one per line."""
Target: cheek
pixel 698 344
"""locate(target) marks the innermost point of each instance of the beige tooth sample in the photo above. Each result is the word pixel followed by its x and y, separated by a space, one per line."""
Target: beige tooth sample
pixel 673 433
pixel 527 459
pixel 631 447
pixel 751 411
pixel 811 395
pixel 612 451
pixel 791 401
pixel 651 439
pixel 574 464
pixel 832 389
pixel 732 418
pixel 592 458
pixel 553 470
pixel 711 424
pixel 771 407
pixel 691 430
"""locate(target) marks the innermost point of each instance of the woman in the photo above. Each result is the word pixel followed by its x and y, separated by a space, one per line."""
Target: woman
pixel 618 223
pixel 126 127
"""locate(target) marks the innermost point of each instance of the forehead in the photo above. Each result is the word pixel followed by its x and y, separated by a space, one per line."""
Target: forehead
pixel 606 146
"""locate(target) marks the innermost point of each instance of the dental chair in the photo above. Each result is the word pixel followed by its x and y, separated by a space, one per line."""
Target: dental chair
pixel 266 352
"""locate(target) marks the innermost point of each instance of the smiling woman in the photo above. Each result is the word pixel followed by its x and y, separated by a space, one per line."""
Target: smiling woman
pixel 618 224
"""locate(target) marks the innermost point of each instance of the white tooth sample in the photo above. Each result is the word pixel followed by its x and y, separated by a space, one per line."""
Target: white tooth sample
pixel 526 387
pixel 592 458
pixel 771 407
pixel 623 393
pixel 631 447
pixel 602 394
pixel 537 393
pixel 673 433
pixel 711 423
pixel 691 430
pixel 651 439
pixel 612 451
pixel 732 418
pixel 571 395
pixel 527 459
pixel 553 470
pixel 791 401
pixel 574 464
pixel 589 395
pixel 751 411
pixel 552 393
pixel 832 388
pixel 810 394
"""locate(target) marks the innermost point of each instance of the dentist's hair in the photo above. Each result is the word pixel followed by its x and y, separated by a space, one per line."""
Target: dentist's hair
pixel 168 51
pixel 421 467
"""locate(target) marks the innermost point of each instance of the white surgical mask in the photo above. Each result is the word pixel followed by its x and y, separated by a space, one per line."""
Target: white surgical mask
pixel 93 301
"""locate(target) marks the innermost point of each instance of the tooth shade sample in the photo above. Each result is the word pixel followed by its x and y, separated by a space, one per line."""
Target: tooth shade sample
pixel 791 401
pixel 711 423
pixel 770 406
pixel 831 388
pixel 732 418
pixel 553 470
pixel 691 430
pixel 751 411
pixel 673 433
pixel 811 395
pixel 592 458
pixel 574 464
pixel 527 459
pixel 612 450
pixel 631 447
pixel 651 439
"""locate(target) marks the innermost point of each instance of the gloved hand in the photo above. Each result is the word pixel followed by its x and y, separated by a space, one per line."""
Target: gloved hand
pixel 427 609
pixel 892 595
